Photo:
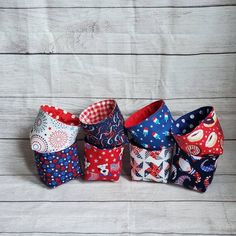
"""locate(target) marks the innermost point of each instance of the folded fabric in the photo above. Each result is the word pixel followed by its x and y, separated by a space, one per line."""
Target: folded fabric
pixel 150 165
pixel 193 172
pixel 54 130
pixel 150 126
pixel 199 132
pixel 104 124
pixel 102 164
pixel 60 167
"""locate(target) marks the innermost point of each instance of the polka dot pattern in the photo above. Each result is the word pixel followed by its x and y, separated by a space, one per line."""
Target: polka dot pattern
pixel 199 132
pixel 60 167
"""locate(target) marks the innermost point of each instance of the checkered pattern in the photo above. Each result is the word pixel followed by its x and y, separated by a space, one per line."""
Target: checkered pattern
pixel 97 111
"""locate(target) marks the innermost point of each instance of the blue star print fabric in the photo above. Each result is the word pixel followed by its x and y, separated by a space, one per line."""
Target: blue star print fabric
pixel 150 126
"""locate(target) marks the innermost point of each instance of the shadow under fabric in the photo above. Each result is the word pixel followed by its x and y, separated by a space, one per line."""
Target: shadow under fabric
pixel 53 140
pixel 199 138
pixel 151 145
pixel 103 124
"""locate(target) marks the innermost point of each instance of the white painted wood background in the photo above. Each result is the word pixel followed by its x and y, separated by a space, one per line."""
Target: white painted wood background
pixel 73 52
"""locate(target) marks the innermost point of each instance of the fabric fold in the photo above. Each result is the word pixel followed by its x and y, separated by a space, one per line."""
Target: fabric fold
pixel 199 132
pixel 54 129
pixel 150 126
pixel 103 124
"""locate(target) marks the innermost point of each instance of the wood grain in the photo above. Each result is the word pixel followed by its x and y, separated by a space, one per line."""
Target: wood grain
pixel 110 217
pixel 30 188
pixel 118 30
pixel 117 3
pixel 18 114
pixel 129 76
pixel 16 158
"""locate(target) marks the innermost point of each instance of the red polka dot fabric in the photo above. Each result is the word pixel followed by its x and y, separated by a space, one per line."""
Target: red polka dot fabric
pixel 61 115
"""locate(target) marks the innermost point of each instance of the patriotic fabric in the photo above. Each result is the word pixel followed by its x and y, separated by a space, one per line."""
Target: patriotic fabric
pixel 193 172
pixel 199 132
pixel 150 165
pixel 60 167
pixel 104 124
pixel 102 164
pixel 150 126
pixel 54 130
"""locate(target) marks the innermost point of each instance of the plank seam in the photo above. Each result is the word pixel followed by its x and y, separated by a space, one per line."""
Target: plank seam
pixel 124 7
pixel 115 54
pixel 118 98
pixel 112 233
pixel 125 201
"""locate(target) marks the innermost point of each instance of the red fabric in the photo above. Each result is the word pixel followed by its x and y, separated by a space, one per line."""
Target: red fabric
pixel 61 115
pixel 143 113
pixel 97 111
pixel 102 164
pixel 206 139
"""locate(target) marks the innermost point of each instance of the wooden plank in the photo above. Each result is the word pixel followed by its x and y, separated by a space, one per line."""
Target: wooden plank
pixel 17 122
pixel 30 188
pixel 119 217
pixel 102 234
pixel 126 76
pixel 117 30
pixel 109 3
pixel 16 158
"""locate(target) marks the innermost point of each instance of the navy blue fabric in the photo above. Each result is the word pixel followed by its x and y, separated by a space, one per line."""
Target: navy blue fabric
pixel 192 172
pixel 60 167
pixel 190 121
pixel 153 133
pixel 108 133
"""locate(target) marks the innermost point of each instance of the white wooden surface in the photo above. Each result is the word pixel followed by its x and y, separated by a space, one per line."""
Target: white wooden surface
pixel 72 53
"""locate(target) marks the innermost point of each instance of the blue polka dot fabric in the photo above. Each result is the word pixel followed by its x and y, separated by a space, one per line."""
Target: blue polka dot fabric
pixel 150 126
pixel 60 167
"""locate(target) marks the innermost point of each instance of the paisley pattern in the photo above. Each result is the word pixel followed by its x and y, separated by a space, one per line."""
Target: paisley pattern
pixel 192 172
pixel 150 165
pixel 108 131
pixel 150 126
pixel 50 134
pixel 199 132
pixel 102 164
pixel 60 167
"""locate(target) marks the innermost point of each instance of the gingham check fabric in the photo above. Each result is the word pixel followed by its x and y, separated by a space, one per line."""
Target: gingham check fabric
pixel 103 124
pixel 97 111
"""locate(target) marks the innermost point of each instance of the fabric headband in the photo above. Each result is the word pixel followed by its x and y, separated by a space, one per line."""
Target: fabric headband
pixel 103 124
pixel 54 130
pixel 199 132
pixel 150 126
